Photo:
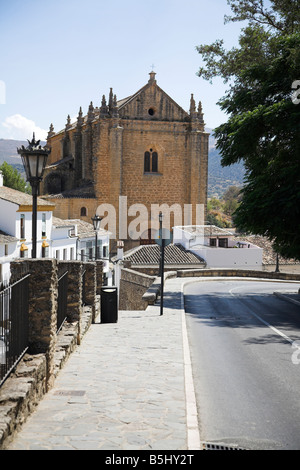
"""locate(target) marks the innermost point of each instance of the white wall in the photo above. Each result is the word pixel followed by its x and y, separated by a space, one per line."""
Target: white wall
pixel 104 243
pixel 63 247
pixel 12 253
pixel 216 257
pixel 243 258
pixel 28 224
pixel 187 239
pixel 8 212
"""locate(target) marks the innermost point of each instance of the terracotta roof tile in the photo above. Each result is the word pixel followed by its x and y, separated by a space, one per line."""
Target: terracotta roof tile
pixel 150 255
pixel 22 199
pixel 5 238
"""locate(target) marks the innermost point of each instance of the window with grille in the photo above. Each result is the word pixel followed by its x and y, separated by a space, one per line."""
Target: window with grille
pixel 150 162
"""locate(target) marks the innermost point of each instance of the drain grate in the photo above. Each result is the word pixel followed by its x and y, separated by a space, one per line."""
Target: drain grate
pixel 219 446
pixel 72 393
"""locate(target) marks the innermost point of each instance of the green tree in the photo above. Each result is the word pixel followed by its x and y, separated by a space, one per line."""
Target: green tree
pixel 255 42
pixel 263 128
pixel 232 192
pixel 214 203
pixel 13 179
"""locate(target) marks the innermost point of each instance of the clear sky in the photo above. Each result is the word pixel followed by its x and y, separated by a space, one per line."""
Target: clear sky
pixel 58 55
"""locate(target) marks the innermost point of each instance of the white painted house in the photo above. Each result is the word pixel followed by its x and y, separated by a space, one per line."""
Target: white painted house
pixel 81 243
pixel 218 247
pixel 56 238
pixel 63 244
pixel 8 250
pixel 16 223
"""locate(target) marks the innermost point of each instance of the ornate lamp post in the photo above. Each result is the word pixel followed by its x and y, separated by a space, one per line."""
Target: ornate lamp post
pixel 162 261
pixel 277 270
pixel 34 159
pixel 96 222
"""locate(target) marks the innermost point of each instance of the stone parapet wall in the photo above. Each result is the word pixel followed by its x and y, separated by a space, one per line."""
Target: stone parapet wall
pixel 48 349
pixel 133 286
pixel 237 273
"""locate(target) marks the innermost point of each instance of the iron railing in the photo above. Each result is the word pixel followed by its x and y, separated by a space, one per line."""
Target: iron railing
pixel 14 305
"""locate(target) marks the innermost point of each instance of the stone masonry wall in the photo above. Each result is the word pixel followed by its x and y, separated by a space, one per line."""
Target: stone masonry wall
pixel 133 286
pixel 48 350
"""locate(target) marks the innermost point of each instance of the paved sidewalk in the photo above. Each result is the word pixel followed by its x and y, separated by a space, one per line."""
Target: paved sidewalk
pixel 128 386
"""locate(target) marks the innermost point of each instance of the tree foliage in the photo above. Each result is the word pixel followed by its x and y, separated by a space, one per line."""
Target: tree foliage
pixel 263 128
pixel 220 211
pixel 263 25
pixel 13 179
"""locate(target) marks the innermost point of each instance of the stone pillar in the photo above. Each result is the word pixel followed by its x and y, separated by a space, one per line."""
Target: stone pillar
pixel 43 292
pixel 90 287
pixel 75 292
pixel 99 276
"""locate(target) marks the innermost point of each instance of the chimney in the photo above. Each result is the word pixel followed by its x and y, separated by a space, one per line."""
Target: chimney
pixel 120 250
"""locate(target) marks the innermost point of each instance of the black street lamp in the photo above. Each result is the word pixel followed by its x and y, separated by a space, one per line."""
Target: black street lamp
pixel 162 262
pixel 277 264
pixel 34 159
pixel 96 222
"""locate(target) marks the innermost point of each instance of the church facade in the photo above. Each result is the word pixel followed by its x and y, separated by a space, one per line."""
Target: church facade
pixel 130 155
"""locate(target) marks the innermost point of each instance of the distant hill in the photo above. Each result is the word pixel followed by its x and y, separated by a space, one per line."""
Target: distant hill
pixel 219 178
pixel 9 154
pixel 8 151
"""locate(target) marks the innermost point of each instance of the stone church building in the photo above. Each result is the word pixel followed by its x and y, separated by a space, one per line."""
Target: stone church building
pixel 144 148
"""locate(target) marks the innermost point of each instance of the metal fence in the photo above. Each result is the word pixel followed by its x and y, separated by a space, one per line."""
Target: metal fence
pixel 14 303
pixel 62 297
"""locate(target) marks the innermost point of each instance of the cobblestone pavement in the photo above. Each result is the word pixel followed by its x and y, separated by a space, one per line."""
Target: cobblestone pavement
pixel 123 388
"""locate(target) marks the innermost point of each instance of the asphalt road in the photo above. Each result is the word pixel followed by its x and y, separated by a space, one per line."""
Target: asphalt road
pixel 246 365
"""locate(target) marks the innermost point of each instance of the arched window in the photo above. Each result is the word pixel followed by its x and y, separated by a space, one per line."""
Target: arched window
pixel 154 162
pixel 150 162
pixel 83 212
pixel 147 165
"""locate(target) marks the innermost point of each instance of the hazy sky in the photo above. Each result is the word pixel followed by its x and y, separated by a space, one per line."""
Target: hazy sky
pixel 59 55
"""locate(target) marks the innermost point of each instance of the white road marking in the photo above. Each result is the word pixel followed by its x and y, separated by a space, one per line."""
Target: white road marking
pixel 287 338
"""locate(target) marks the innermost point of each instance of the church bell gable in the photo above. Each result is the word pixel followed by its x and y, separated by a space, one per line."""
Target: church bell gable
pixel 151 103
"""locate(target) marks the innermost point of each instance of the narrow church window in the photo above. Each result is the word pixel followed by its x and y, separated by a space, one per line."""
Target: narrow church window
pixel 154 163
pixel 151 162
pixel 83 212
pixel 147 162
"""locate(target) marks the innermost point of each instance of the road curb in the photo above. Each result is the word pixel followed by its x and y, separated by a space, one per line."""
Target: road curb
pixel 193 433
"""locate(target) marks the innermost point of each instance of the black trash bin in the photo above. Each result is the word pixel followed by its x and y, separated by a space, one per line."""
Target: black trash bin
pixel 109 304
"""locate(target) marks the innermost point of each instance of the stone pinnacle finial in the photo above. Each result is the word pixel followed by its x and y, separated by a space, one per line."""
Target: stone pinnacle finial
pixel 51 131
pixel 91 113
pixel 200 112
pixel 115 110
pixel 193 112
pixel 152 77
pixel 104 108
pixel 111 100
pixel 80 118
